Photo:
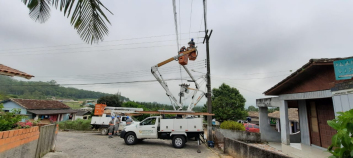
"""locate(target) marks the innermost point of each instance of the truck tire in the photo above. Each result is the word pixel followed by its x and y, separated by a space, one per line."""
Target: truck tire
pixel 178 141
pixel 104 131
pixel 130 139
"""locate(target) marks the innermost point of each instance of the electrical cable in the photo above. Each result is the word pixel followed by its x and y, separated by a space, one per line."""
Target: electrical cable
pixel 88 51
pixel 101 42
pixel 190 18
pixel 90 47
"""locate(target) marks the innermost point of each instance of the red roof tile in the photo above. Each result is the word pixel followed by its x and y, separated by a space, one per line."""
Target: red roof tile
pixel 8 71
pixel 32 104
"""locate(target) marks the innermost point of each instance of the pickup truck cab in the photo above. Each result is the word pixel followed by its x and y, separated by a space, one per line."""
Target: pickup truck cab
pixel 156 127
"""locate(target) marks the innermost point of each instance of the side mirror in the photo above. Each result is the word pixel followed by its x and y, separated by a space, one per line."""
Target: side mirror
pixel 141 124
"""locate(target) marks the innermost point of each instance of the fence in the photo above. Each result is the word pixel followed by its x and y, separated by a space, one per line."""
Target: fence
pixel 47 139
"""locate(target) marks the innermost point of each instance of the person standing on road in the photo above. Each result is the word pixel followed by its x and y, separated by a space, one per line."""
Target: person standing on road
pixel 128 120
pixel 117 123
pixel 111 127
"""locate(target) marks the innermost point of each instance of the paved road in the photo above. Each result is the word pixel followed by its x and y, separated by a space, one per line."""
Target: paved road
pixel 73 144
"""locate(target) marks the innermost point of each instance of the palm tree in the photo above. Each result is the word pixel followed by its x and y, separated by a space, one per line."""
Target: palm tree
pixel 87 17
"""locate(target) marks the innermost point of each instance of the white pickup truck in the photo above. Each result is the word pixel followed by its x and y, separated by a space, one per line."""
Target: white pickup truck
pixel 177 129
pixel 102 123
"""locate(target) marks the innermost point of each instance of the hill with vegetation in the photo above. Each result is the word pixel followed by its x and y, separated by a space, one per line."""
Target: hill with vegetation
pixel 44 90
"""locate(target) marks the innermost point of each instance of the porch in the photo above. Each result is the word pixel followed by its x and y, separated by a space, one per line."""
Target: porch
pixel 314 109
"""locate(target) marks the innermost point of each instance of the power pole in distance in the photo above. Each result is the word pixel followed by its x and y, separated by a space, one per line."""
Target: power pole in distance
pixel 209 101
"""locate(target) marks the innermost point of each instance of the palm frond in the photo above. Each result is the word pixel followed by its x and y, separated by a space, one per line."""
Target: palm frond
pixel 39 10
pixel 87 18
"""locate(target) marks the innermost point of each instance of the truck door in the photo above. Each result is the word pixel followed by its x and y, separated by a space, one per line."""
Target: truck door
pixel 148 128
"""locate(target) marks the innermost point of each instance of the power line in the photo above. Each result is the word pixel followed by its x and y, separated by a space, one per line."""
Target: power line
pixel 103 83
pixel 90 47
pixel 89 51
pixel 252 78
pixel 101 42
pixel 179 23
pixel 136 71
pixel 190 18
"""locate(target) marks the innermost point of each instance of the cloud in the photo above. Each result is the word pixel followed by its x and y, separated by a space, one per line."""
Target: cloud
pixel 253 46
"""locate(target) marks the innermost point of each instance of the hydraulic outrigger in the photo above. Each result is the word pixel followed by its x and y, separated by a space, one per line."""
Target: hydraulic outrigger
pixel 184 88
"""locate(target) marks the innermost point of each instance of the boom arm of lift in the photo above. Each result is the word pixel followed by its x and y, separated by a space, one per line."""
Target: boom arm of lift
pixel 159 77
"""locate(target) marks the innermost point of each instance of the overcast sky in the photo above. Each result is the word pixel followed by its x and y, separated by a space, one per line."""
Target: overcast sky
pixel 254 44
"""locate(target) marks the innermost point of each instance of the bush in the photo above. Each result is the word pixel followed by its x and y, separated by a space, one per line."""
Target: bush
pixel 9 120
pixel 342 142
pixel 78 124
pixel 232 125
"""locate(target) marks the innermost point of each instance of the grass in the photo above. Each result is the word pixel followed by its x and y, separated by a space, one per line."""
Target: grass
pixel 73 105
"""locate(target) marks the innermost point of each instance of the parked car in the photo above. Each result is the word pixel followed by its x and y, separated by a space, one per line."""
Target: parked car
pixel 252 127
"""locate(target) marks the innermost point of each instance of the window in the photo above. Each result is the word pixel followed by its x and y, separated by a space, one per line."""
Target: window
pixel 255 126
pixel 7 110
pixel 151 121
pixel 124 119
pixel 251 126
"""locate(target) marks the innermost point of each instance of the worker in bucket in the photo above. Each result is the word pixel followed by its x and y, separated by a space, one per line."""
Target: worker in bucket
pixel 117 123
pixel 111 127
pixel 191 44
pixel 128 120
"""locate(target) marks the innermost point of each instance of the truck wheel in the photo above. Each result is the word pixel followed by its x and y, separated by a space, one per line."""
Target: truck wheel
pixel 130 139
pixel 178 141
pixel 104 131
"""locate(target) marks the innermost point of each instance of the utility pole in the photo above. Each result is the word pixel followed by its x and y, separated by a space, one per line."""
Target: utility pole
pixel 208 76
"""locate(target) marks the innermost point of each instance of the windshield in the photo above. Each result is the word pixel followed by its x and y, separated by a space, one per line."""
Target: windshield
pixel 134 119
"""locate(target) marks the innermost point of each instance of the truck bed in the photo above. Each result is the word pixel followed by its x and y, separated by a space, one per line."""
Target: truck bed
pixel 181 125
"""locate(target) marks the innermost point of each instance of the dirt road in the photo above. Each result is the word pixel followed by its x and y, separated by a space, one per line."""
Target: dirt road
pixel 72 144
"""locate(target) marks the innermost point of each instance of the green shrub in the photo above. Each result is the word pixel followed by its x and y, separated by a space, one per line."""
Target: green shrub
pixel 232 125
pixel 9 120
pixel 342 142
pixel 78 124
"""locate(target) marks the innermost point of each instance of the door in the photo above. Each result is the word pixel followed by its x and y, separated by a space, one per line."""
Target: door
pixel 148 128
pixel 313 123
pixel 320 111
pixel 325 112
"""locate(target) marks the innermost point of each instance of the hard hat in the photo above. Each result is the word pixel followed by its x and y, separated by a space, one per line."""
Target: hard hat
pixel 192 39
pixel 118 116
pixel 127 117
pixel 112 117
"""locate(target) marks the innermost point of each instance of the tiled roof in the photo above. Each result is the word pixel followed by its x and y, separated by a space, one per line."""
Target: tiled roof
pixel 253 114
pixel 322 61
pixel 8 71
pixel 32 104
pixel 82 112
pixel 49 112
pixel 292 114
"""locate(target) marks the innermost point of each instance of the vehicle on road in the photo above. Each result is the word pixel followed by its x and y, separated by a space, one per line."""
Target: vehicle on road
pixel 104 113
pixel 252 127
pixel 156 127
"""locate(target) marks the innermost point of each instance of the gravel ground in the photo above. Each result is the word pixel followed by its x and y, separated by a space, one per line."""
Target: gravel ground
pixel 73 144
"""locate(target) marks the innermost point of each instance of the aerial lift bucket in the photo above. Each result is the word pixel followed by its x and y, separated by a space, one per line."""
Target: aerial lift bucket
pixel 183 60
pixel 192 56
pixel 99 109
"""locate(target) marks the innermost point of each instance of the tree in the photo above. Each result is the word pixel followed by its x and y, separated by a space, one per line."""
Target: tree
pixel 228 103
pixel 252 108
pixel 112 100
pixel 271 110
pixel 342 144
pixel 87 17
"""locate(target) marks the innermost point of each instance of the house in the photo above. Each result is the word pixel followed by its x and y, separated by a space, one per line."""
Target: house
pixel 254 115
pixel 319 89
pixel 83 114
pixel 44 110
pixel 274 120
pixel 8 71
